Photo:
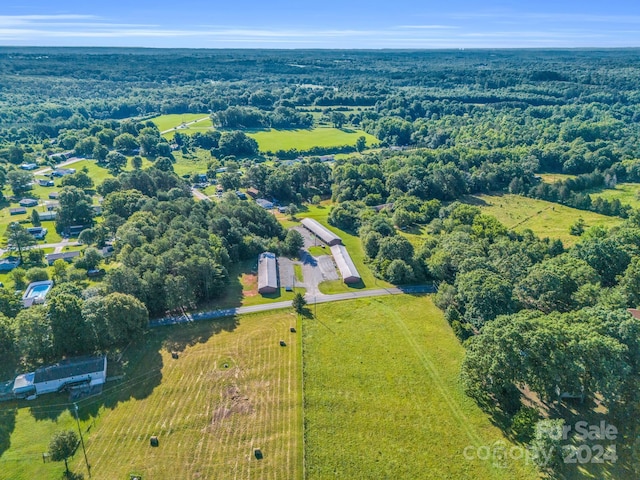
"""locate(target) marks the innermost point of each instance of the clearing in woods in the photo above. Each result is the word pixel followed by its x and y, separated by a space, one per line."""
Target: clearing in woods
pixel 233 388
pixel 272 140
pixel 383 400
pixel 545 219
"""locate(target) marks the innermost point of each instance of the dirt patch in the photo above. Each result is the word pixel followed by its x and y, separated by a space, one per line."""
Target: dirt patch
pixel 249 284
pixel 234 402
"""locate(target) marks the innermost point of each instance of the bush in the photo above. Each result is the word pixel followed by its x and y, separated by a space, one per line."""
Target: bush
pixel 37 274
pixel 523 423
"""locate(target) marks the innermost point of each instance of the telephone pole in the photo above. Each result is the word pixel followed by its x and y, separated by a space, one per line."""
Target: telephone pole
pixel 86 461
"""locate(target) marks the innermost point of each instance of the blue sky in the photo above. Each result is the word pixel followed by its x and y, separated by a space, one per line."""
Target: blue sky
pixel 325 24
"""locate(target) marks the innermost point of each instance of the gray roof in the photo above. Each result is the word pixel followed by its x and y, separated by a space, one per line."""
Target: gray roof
pixel 321 232
pixel 69 368
pixel 52 257
pixel 346 266
pixel 267 272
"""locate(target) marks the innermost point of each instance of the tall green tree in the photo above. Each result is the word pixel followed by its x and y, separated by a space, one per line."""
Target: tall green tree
pixel 62 446
pixel 18 239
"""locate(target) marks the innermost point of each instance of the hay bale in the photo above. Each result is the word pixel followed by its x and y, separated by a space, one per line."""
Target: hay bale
pixel 292 330
pixel 154 441
pixel 174 355
pixel 257 453
pixel 282 343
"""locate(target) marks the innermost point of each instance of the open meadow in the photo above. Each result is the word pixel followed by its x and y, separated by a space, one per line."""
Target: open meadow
pixel 545 219
pixel 627 193
pixel 232 389
pixel 382 397
pixel 174 120
pixel 273 140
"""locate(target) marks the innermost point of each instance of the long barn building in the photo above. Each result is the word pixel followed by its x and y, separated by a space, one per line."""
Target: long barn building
pixel 345 265
pixel 321 232
pixel 69 373
pixel 267 273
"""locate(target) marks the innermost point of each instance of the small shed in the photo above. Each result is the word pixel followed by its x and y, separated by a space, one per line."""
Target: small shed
pixel 28 202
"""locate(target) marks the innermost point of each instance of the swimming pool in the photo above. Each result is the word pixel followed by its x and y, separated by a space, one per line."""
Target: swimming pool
pixel 36 292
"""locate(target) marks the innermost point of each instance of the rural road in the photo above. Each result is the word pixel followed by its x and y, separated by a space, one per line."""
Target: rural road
pixel 185 125
pixel 58 247
pixel 311 300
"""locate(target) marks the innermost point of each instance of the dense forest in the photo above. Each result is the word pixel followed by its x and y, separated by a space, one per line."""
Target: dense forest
pixel 534 314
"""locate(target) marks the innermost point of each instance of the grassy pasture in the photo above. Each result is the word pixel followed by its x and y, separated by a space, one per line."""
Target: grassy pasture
pixel 382 398
pixel 627 193
pixel 555 177
pixel 273 140
pixel 166 122
pixel 208 417
pixel 545 219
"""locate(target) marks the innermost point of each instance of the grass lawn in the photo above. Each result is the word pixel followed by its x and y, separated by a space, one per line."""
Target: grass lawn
pixel 555 177
pixel 545 219
pixel 209 417
pixel 166 122
pixel 273 140
pixel 627 193
pixel 354 247
pixel 382 397
pixel 191 163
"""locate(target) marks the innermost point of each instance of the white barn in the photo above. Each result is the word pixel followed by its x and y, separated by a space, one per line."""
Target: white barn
pixel 72 372
pixel 347 269
pixel 267 273
pixel 321 232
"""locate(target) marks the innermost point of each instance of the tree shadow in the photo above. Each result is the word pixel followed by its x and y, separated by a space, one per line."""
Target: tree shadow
pixel 7 425
pixel 473 200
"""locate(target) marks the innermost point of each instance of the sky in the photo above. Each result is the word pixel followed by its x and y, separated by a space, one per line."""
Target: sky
pixel 375 24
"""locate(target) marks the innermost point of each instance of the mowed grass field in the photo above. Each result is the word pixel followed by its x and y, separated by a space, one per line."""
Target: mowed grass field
pixel 273 140
pixel 233 389
pixel 166 122
pixel 545 219
pixel 383 400
pixel 627 193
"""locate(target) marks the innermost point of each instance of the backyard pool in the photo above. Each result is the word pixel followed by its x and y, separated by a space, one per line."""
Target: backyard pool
pixel 36 292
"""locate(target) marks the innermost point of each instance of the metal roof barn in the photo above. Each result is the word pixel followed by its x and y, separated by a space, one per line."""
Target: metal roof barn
pixel 267 273
pixel 321 232
pixel 346 266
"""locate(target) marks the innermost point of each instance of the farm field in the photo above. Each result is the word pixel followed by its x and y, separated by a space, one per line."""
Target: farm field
pixel 354 246
pixel 545 219
pixel 627 193
pixel 382 397
pixel 273 140
pixel 209 417
pixel 166 122
pixel 555 177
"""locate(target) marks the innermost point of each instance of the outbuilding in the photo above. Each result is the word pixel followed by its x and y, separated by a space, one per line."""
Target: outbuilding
pixel 69 373
pixel 267 273
pixel 66 256
pixel 347 268
pixel 28 202
pixel 321 232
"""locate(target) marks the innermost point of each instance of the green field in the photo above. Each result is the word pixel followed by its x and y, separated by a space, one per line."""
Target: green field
pixel 545 219
pixel 273 140
pixel 382 398
pixel 191 163
pixel 627 193
pixel 208 417
pixel 166 122
pixel 555 177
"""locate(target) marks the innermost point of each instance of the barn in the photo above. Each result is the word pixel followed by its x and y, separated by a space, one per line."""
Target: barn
pixel 69 373
pixel 347 269
pixel 267 273
pixel 321 232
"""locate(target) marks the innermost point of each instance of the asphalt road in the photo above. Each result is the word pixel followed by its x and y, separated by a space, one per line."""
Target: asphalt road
pixel 311 300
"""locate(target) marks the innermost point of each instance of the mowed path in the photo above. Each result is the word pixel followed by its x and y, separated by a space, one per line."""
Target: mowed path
pixel 232 389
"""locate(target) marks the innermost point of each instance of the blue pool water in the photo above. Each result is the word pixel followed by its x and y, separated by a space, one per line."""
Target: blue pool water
pixel 38 291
